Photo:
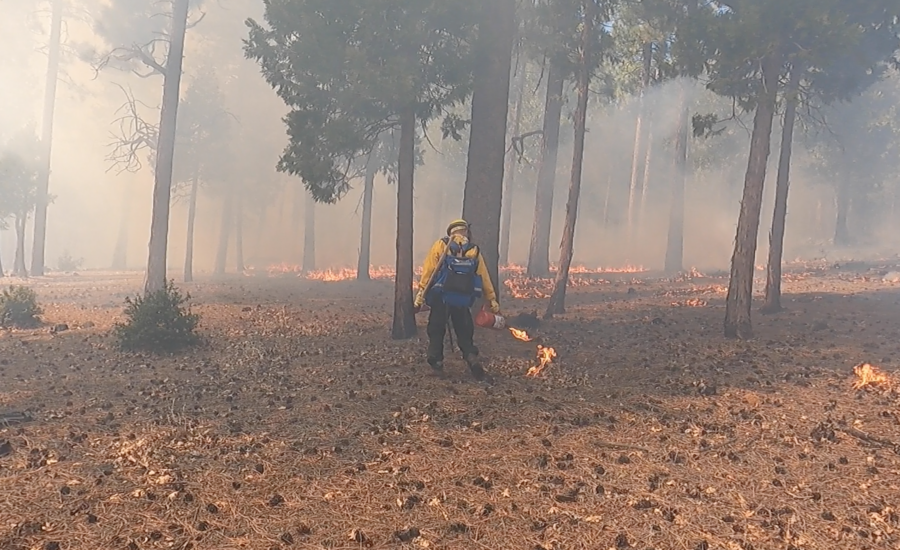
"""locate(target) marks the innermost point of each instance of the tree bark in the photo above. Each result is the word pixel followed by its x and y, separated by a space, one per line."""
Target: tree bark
pixel 539 251
pixel 189 247
pixel 818 223
pixel 404 321
pixel 841 229
pixel 309 234
pixel 438 221
pixel 557 303
pixel 740 286
pixel 640 142
pixel 42 198
pixel 645 178
pixel 224 234
pixel 483 196
pixel 510 172
pixel 298 197
pixel 675 245
pixel 120 252
pixel 238 234
pixel 365 234
pixel 782 186
pixel 2 273
pixel 162 187
pixel 606 199
pixel 19 269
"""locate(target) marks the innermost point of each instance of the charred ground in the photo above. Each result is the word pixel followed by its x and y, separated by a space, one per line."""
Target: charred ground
pixel 299 424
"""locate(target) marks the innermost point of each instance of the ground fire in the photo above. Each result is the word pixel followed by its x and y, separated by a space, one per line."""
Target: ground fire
pixel 520 335
pixel 870 376
pixel 545 356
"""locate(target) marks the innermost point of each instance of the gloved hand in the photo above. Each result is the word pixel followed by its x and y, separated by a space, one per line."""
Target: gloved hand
pixel 495 306
pixel 419 301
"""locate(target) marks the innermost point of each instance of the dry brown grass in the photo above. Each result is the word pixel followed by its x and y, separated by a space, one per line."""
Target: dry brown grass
pixel 300 425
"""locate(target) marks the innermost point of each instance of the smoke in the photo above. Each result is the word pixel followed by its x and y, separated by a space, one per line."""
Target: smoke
pixel 715 178
pixel 96 206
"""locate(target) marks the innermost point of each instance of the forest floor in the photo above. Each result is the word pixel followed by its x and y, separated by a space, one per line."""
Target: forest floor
pixel 300 424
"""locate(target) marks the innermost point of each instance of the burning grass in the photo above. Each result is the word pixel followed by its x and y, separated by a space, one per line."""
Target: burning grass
pixel 377 273
pixel 521 286
pixel 870 376
pixel 520 335
pixel 545 356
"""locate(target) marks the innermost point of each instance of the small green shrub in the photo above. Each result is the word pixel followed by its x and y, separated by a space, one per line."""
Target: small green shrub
pixel 67 263
pixel 158 322
pixel 19 308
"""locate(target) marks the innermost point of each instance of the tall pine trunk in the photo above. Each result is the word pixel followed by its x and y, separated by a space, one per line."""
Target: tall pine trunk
pixel 740 286
pixel 238 234
pixel 782 186
pixel 638 157
pixel 365 233
pixel 844 199
pixel 43 183
pixel 224 234
pixel 606 199
pixel 819 217
pixel 539 251
pixel 557 303
pixel 675 243
pixel 162 187
pixel 189 247
pixel 404 321
pixel 297 204
pixel 2 273
pixel 309 234
pixel 19 269
pixel 437 220
pixel 645 179
pixel 483 196
pixel 506 220
pixel 120 252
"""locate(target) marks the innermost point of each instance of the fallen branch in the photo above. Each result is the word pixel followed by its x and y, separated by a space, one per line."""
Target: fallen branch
pixel 619 446
pixel 518 142
pixel 863 436
pixel 10 418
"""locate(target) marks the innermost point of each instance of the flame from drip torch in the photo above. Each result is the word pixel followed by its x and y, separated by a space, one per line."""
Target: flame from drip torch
pixel 870 376
pixel 546 356
pixel 520 335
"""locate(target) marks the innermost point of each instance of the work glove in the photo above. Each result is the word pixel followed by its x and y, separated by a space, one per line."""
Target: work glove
pixel 419 302
pixel 495 306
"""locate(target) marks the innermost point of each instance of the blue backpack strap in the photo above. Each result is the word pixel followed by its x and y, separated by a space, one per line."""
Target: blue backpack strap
pixel 458 283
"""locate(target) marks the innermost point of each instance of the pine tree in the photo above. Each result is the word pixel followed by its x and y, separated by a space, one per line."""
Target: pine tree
pixel 352 70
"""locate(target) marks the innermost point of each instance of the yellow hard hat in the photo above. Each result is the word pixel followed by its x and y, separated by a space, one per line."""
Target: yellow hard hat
pixel 455 224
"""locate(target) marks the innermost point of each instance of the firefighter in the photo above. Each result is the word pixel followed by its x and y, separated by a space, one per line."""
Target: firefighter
pixel 454 276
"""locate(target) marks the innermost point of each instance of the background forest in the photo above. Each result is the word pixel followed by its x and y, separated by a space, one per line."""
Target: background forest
pixel 654 104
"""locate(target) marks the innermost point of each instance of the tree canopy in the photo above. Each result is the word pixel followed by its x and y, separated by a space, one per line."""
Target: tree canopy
pixel 348 69
pixel 19 166
pixel 204 132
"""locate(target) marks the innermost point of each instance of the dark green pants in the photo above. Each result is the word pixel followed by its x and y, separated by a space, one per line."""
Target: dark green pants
pixel 463 327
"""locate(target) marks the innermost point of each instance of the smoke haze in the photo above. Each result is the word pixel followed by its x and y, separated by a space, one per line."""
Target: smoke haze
pixel 96 205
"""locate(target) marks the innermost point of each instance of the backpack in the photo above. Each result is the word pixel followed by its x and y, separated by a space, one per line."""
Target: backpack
pixel 457 282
